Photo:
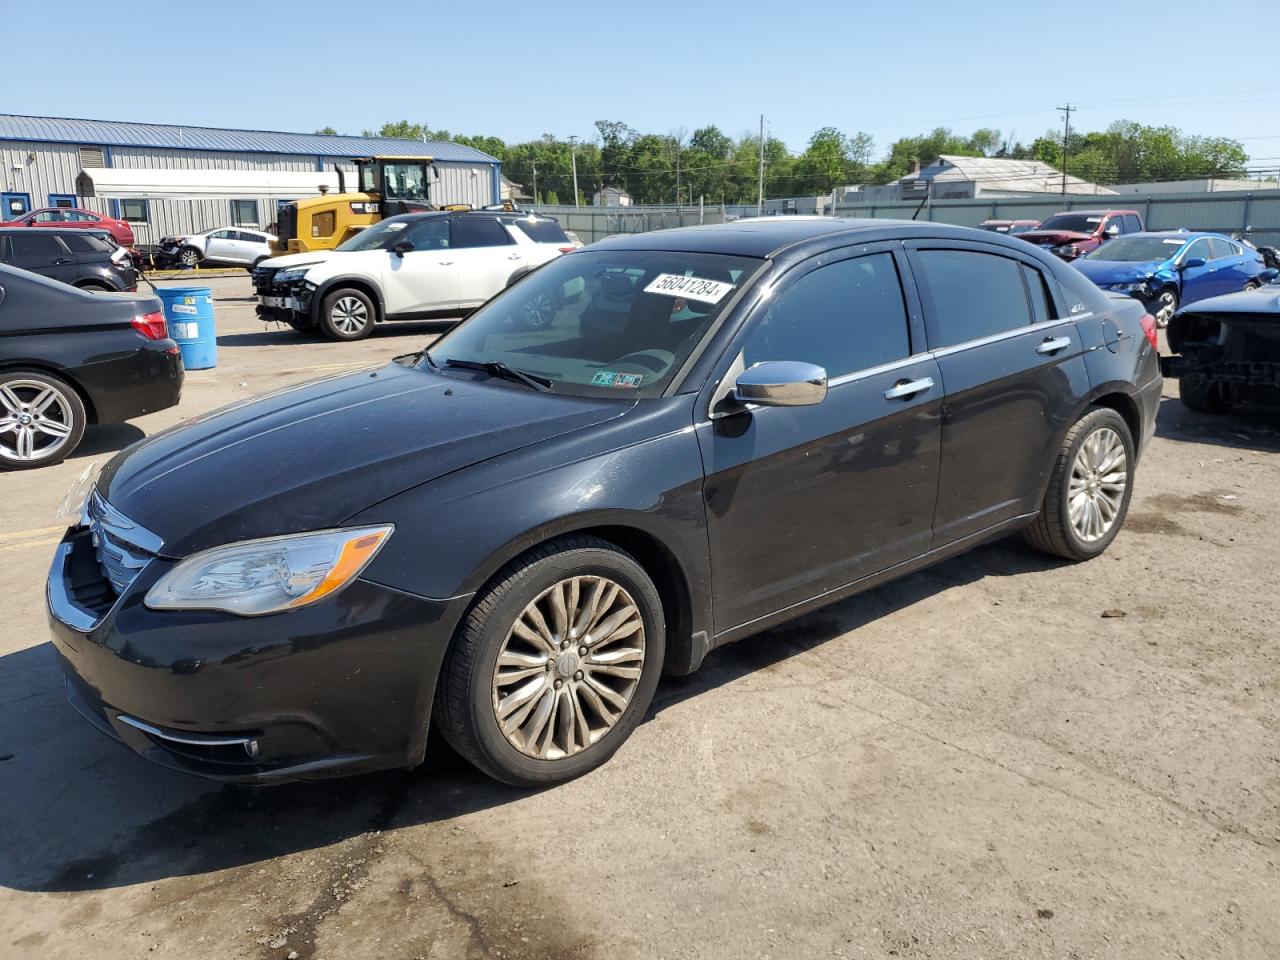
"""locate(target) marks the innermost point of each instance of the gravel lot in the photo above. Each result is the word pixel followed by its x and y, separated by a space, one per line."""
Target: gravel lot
pixel 1002 756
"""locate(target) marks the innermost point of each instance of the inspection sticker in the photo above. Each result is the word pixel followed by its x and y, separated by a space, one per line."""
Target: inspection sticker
pixel 692 288
pixel 607 378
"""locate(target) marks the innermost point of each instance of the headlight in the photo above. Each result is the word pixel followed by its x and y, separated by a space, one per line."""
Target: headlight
pixel 1066 250
pixel 271 575
pixel 290 275
pixel 1136 286
pixel 72 508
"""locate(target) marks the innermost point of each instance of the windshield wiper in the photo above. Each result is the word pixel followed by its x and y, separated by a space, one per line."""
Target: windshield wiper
pixel 496 368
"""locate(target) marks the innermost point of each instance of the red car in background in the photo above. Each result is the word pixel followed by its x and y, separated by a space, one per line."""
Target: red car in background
pixel 63 217
pixel 1073 233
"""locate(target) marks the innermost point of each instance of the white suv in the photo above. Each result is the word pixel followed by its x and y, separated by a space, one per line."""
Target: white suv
pixel 410 267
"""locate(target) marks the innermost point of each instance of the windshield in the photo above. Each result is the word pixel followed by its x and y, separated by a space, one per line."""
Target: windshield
pixel 1138 249
pixel 381 236
pixel 999 226
pixel 406 181
pixel 602 323
pixel 1073 222
pixel 1023 227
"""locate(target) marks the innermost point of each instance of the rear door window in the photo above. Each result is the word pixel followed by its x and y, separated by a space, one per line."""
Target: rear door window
pixel 478 232
pixel 844 317
pixel 1222 249
pixel 541 231
pixel 84 243
pixel 1036 290
pixel 1131 224
pixel 970 295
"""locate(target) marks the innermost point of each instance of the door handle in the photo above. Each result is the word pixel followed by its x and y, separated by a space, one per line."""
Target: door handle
pixel 444 263
pixel 1053 344
pixel 905 389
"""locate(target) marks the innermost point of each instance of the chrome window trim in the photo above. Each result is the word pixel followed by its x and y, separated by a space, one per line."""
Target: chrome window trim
pixel 878 369
pixel 1007 335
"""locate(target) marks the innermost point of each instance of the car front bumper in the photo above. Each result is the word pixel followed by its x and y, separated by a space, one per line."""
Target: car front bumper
pixel 340 687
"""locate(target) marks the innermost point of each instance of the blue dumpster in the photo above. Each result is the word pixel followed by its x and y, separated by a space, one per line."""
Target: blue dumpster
pixel 189 311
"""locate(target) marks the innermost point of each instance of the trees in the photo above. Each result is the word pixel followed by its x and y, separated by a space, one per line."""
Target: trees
pixel 723 168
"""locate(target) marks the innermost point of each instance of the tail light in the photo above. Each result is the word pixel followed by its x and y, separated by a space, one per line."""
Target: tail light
pixel 568 249
pixel 151 325
pixel 1149 328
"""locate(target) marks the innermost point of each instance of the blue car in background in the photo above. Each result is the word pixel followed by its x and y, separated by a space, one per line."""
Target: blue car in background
pixel 1166 270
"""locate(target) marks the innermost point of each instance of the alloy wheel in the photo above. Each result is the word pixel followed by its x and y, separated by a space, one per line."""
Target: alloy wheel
pixel 1099 475
pixel 349 315
pixel 36 420
pixel 538 311
pixel 1166 305
pixel 189 258
pixel 569 667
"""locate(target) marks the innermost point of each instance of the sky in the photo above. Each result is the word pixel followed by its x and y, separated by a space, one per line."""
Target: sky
pixel 518 71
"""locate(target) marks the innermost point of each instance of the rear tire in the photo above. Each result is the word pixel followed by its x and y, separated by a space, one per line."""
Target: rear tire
pixel 42 419
pixel 1089 488
pixel 347 314
pixel 567 698
pixel 1202 395
pixel 1252 285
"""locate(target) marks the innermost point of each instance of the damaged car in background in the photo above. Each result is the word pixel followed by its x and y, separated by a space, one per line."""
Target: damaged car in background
pixel 1227 351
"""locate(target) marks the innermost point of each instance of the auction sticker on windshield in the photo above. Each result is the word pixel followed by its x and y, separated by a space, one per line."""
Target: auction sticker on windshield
pixel 692 288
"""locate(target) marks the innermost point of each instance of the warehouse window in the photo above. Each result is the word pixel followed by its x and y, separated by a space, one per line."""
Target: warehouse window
pixel 244 213
pixel 135 211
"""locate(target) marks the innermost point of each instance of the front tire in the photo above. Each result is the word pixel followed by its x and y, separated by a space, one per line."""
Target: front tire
pixel 1089 488
pixel 347 314
pixel 1164 306
pixel 1203 395
pixel 555 665
pixel 42 420
pixel 190 257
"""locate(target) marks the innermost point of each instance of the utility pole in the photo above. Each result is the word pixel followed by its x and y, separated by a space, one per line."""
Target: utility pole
pixel 535 184
pixel 760 186
pixel 679 217
pixel 573 158
pixel 1066 134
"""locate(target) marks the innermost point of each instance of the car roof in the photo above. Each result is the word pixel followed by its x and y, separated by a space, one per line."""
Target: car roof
pixel 1100 211
pixel 1187 235
pixel 769 237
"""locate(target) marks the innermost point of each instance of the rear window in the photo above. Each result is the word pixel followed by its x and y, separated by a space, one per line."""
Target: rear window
pixel 542 231
pixel 84 243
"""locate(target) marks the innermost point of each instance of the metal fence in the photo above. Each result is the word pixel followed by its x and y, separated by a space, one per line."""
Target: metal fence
pixel 596 223
pixel 1258 212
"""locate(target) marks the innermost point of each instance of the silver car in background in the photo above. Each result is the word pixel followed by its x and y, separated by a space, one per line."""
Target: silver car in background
pixel 238 245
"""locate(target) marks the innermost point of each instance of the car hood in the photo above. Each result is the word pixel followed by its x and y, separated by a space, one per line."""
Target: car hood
pixel 309 457
pixel 1117 271
pixel 297 259
pixel 1263 303
pixel 1054 236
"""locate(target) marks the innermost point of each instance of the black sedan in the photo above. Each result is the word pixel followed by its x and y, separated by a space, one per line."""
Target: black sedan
pixel 513 534
pixel 69 359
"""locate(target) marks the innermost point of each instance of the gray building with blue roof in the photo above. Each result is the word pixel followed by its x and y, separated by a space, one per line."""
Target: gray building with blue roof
pixel 168 180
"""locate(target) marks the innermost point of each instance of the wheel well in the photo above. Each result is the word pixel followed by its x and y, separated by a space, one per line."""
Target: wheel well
pixel 1123 405
pixel 90 413
pixel 351 283
pixel 657 561
pixel 92 284
pixel 518 275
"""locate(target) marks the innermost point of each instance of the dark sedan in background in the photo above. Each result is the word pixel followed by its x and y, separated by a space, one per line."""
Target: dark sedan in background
pixel 513 534
pixel 69 359
pixel 81 258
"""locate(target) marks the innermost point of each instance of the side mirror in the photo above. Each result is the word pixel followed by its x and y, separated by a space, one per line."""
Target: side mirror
pixel 782 383
pixel 401 248
pixel 1193 262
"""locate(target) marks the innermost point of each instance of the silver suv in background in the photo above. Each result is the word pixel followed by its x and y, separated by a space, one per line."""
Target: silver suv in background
pixel 238 245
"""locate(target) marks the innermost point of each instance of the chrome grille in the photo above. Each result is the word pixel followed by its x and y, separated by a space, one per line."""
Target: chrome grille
pixel 121 546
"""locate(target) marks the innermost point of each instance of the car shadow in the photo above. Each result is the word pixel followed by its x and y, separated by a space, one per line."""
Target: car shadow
pixel 1245 428
pixel 107 438
pixel 84 813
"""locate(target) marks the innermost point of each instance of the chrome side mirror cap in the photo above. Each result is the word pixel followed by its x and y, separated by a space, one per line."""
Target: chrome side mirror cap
pixel 782 383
